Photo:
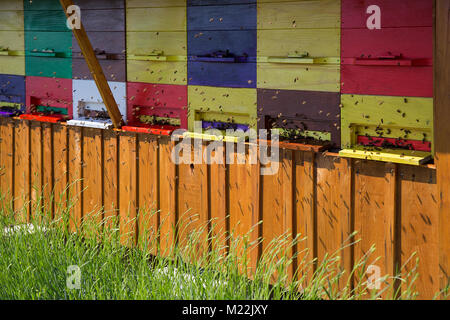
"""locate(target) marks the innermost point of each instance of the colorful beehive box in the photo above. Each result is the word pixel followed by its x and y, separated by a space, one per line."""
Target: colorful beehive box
pixel 221 109
pixel 88 107
pixel 104 22
pixel 12 38
pixel 299 70
pixel 221 66
pixel 156 108
pixel 156 41
pixel 48 99
pixel 12 95
pixel 222 43
pixel 48 40
pixel 387 80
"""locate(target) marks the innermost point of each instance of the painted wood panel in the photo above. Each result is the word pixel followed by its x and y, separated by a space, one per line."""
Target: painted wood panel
pixel 222 45
pixel 222 17
pixel 390 60
pixel 413 13
pixel 12 93
pixel 155 3
pixel 88 104
pixel 314 115
pixel 49 92
pixel 309 63
pixel 110 47
pixel 157 44
pixel 12 43
pixel 156 100
pixel 225 105
pixel 404 119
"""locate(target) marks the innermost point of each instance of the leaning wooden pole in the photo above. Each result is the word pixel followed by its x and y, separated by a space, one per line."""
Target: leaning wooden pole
pixel 95 68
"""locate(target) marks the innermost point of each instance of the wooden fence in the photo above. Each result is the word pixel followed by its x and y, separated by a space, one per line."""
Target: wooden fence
pixel 321 196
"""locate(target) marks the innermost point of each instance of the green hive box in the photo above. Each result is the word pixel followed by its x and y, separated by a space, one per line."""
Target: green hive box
pixel 48 41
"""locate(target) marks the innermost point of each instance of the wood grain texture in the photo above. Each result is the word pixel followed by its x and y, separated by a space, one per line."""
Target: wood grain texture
pixel 111 177
pixel 305 213
pixel 22 172
pixel 47 170
pixel 93 176
pixel 36 168
pixel 75 177
pixel 243 205
pixel 334 213
pixel 168 180
pixel 7 163
pixel 193 222
pixel 60 169
pixel 375 218
pixel 128 202
pixel 148 186
pixel 419 234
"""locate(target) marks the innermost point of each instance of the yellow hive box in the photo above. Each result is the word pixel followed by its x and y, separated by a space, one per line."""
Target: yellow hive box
pixel 157 42
pixel 299 45
pixel 12 38
pixel 400 118
pixel 224 105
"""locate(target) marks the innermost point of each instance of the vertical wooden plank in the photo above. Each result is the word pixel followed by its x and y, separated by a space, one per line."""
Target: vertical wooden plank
pixel 148 220
pixel 168 196
pixel 7 161
pixel 420 228
pixel 75 203
pixel 36 168
pixel 375 211
pixel 442 131
pixel 243 204
pixel 47 169
pixel 60 169
pixel 128 205
pixel 305 209
pixel 193 191
pixel 218 178
pixel 92 176
pixel 277 209
pixel 334 209
pixel 22 171
pixel 110 176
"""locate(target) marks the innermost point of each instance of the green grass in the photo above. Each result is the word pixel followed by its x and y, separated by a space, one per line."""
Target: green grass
pixel 33 265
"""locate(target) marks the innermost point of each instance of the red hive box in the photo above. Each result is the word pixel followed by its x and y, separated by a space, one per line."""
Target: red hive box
pixel 164 103
pixel 48 99
pixel 395 60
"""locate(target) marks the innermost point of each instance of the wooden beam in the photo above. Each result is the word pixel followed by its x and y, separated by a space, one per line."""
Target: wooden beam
pixel 442 131
pixel 96 69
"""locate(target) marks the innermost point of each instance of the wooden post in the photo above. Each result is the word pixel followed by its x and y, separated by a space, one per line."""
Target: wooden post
pixel 442 131
pixel 95 68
